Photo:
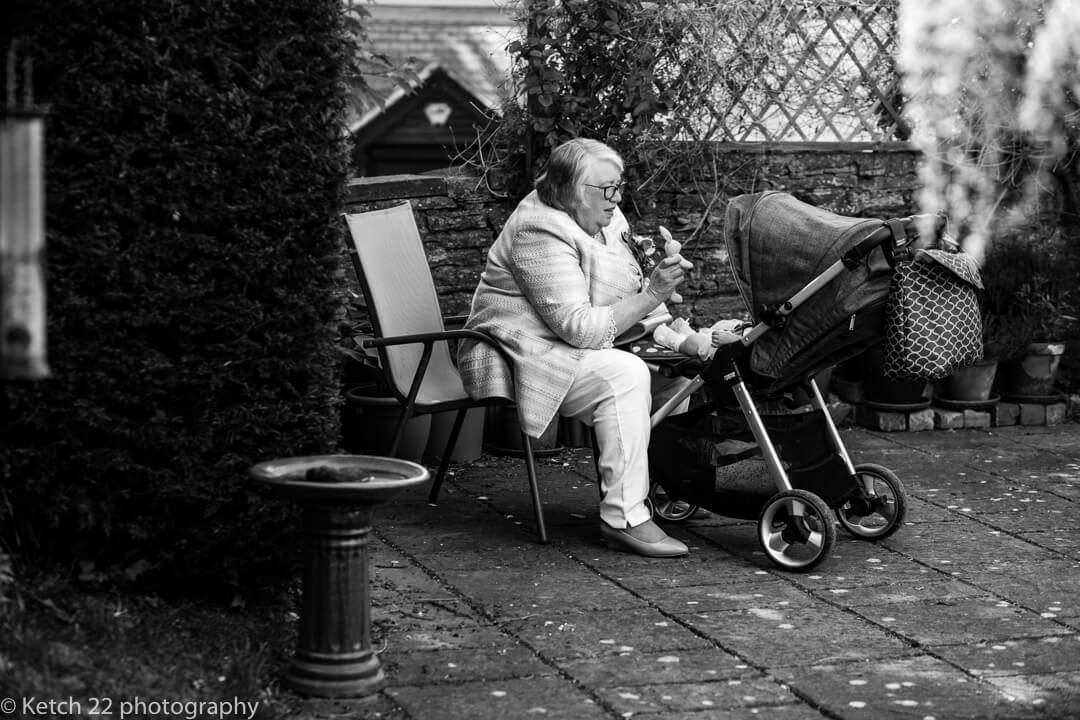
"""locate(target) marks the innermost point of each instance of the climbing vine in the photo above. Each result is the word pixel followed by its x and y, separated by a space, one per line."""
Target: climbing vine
pixel 658 81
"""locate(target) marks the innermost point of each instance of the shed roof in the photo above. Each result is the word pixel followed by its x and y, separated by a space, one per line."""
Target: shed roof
pixel 467 39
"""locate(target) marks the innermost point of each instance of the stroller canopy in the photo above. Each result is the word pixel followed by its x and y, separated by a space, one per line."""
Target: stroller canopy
pixel 776 245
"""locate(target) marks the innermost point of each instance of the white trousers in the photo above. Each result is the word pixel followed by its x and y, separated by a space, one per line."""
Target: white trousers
pixel 614 392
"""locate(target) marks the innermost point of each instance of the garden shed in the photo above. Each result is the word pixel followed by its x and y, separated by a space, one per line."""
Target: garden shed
pixel 418 131
pixel 458 48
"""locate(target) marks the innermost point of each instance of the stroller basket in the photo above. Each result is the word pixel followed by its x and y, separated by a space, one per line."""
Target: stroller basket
pixel 698 457
pixel 803 443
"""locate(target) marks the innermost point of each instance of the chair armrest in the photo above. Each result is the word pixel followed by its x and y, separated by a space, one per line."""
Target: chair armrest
pixel 429 339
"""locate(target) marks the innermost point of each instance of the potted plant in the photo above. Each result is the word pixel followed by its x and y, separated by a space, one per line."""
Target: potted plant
pixel 370 412
pixel 972 387
pixel 887 394
pixel 1031 374
pixel 1005 332
pixel 1033 301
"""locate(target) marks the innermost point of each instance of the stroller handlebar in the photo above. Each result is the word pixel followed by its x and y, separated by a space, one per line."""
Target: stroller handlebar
pixel 895 237
pixel 897 233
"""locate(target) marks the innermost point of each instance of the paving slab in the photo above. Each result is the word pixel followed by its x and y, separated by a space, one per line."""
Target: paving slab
pixel 1049 589
pixel 769 637
pixel 660 700
pixel 373 707
pixel 731 594
pixel 922 508
pixel 1026 656
pixel 1056 695
pixel 500 660
pixel 602 634
pixel 858 564
pixel 799 711
pixel 415 615
pixel 1062 542
pixel 696 665
pixel 957 620
pixel 540 591
pixel 912 688
pixel 1048 438
pixel 706 566
pixel 943 483
pixel 544 697
pixel 1010 500
pixel 391 578
pixel 1066 488
pixel 932 587
pixel 1030 516
pixel 967 549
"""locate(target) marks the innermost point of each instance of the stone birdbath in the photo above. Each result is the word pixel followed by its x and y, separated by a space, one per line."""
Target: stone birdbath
pixel 337 494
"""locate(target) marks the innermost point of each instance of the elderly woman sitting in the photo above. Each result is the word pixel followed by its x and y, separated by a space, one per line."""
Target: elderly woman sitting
pixel 559 285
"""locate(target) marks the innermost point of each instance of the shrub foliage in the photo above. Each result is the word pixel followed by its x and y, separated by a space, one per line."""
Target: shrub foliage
pixel 195 171
pixel 663 82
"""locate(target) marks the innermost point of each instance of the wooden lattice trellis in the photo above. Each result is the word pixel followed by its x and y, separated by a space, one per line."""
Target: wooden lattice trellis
pixel 815 71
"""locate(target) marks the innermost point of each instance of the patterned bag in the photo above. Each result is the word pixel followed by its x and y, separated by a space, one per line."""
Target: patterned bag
pixel 932 320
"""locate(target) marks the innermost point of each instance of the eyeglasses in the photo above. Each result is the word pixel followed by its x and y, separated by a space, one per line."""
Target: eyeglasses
pixel 609 190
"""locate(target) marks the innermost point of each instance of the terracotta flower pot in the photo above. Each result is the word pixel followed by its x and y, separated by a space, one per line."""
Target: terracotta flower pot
pixel 502 434
pixel 370 422
pixel 973 382
pixel 880 392
pixel 470 441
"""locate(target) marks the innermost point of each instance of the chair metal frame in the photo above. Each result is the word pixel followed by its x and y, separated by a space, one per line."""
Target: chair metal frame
pixel 426 342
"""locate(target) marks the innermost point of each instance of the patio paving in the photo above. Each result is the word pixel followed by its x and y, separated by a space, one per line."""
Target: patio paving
pixel 971 610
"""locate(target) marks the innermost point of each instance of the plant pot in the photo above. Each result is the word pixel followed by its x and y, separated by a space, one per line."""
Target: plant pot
pixel 502 434
pixel 470 441
pixel 574 433
pixel 1031 378
pixel 847 379
pixel 855 367
pixel 369 424
pixel 972 383
pixel 824 382
pixel 894 395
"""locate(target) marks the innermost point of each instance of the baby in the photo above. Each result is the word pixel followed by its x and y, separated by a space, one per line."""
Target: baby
pixel 680 337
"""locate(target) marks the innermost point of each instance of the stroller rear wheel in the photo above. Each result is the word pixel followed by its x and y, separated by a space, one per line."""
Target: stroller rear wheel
pixel 667 507
pixel 796 529
pixel 879 510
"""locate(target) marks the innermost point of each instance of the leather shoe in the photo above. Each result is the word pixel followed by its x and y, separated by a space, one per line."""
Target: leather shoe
pixel 645 539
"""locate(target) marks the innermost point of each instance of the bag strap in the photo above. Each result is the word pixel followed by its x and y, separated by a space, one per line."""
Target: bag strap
pixel 896 247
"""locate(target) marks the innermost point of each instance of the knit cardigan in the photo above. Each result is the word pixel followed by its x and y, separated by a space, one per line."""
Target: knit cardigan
pixel 545 294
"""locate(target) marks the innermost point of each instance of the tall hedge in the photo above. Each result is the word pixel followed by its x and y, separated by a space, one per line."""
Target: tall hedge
pixel 195 171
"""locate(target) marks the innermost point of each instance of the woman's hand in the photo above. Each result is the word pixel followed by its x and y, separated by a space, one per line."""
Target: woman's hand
pixel 665 277
pixel 672 249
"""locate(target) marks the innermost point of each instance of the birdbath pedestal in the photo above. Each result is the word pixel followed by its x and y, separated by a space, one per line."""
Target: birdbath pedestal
pixel 337 494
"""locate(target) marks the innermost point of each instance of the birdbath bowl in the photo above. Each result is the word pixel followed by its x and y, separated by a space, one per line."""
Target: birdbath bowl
pixel 337 494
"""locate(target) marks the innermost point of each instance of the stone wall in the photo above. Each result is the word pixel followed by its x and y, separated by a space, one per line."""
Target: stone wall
pixel 459 217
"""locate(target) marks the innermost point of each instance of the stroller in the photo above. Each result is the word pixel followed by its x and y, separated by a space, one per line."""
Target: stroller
pixel 815 284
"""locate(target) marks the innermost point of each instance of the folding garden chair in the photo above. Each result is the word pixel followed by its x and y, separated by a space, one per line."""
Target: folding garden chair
pixel 410 332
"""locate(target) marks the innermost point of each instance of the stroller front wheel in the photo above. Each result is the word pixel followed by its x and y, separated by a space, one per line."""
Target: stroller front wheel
pixel 879 509
pixel 796 530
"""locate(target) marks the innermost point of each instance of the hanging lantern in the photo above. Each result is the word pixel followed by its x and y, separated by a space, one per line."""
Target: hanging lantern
pixel 22 232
